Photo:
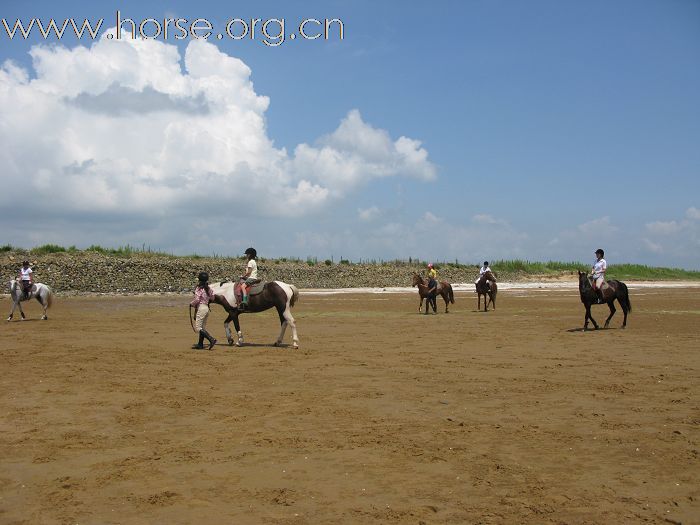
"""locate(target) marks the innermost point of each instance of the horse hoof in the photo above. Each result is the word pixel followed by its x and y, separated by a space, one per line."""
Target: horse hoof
pixel 295 346
pixel 44 318
pixel 230 342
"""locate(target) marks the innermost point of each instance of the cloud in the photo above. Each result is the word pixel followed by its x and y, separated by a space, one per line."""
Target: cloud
pixel 368 214
pixel 664 228
pixel 131 129
pixel 652 246
pixel 598 227
pixel 693 213
pixel 488 219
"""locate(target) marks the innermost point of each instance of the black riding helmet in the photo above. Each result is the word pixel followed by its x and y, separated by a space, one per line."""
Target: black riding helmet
pixel 203 277
pixel 486 263
pixel 251 251
pixel 600 251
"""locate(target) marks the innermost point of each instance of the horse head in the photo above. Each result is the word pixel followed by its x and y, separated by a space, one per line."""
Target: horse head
pixel 583 282
pixel 417 279
pixel 489 276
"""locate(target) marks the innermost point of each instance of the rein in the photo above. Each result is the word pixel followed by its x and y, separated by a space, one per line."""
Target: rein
pixel 191 323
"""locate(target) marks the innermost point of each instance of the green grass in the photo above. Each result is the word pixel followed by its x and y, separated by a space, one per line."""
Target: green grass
pixel 615 271
pixel 650 273
pixel 534 267
pixel 47 248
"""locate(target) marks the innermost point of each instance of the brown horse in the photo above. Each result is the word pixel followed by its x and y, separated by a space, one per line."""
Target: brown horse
pixel 615 290
pixel 444 289
pixel 486 286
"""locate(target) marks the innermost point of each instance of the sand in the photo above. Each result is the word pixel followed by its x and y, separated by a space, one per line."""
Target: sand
pixel 382 416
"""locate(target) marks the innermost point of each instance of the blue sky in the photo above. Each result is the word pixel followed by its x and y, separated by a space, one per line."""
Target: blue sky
pixel 463 130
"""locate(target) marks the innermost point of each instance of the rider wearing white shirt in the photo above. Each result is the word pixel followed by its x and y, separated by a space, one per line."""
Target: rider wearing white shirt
pixel 26 278
pixel 598 273
pixel 485 268
pixel 250 277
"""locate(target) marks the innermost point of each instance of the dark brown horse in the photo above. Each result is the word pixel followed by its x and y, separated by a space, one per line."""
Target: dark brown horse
pixel 486 286
pixel 444 289
pixel 274 294
pixel 615 290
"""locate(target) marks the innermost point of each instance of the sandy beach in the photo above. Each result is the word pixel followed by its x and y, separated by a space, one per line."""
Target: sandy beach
pixel 382 416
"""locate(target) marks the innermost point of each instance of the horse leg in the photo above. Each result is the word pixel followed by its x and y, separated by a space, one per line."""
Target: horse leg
pixel 12 311
pixel 589 316
pixel 624 312
pixel 19 305
pixel 611 305
pixel 227 329
pixel 44 305
pixel 420 304
pixel 237 326
pixel 446 297
pixel 478 299
pixel 286 318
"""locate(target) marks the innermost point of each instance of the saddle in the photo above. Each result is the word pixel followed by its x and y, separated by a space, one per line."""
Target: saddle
pixel 254 289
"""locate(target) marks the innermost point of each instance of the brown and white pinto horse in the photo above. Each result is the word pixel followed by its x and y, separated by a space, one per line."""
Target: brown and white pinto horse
pixel 277 294
pixel 444 289
pixel 486 286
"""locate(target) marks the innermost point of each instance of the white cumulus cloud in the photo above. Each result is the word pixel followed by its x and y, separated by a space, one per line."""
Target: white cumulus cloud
pixel 130 129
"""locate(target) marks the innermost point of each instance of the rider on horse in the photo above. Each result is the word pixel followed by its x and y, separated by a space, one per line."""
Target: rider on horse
pixel 251 275
pixel 485 268
pixel 26 279
pixel 598 275
pixel 432 280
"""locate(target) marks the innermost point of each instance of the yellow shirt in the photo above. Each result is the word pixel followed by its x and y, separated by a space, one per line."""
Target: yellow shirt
pixel 432 273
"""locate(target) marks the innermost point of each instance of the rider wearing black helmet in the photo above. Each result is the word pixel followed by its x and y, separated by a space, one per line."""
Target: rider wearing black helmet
pixel 251 275
pixel 202 296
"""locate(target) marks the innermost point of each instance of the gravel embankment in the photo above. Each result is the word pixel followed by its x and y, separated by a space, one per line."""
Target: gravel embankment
pixel 92 272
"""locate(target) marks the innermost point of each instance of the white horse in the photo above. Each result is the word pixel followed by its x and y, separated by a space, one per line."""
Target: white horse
pixel 39 291
pixel 275 294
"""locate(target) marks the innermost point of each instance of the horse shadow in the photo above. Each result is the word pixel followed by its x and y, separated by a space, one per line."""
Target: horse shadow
pixel 257 345
pixel 602 328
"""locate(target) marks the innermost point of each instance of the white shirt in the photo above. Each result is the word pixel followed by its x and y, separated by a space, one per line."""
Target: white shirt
pixel 599 268
pixel 26 273
pixel 484 269
pixel 253 267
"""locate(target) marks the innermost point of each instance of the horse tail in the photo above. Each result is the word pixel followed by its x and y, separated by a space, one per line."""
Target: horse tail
pixel 49 299
pixel 451 294
pixel 625 296
pixel 295 295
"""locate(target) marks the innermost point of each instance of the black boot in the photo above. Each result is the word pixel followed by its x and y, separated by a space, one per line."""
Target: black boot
pixel 209 338
pixel 199 345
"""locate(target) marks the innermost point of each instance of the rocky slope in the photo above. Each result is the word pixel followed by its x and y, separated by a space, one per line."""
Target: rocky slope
pixel 94 272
